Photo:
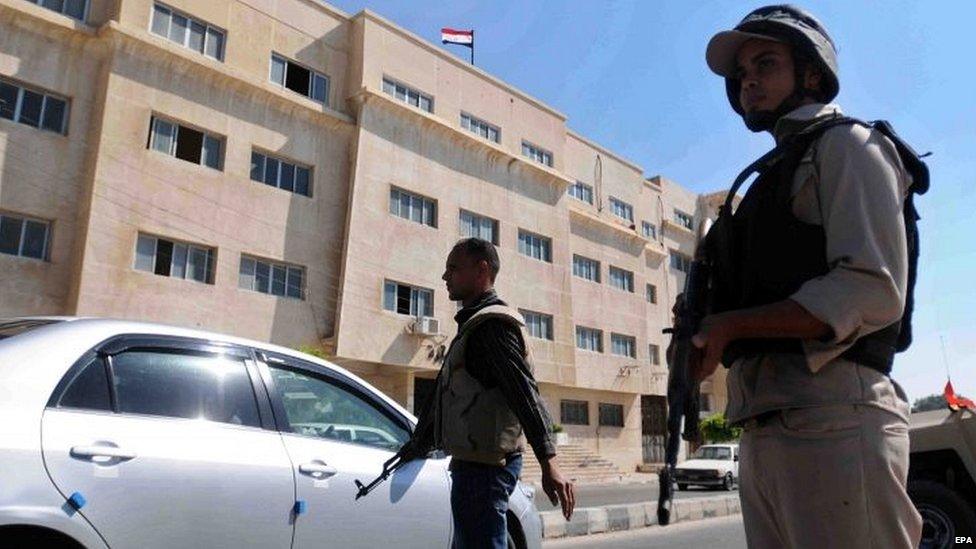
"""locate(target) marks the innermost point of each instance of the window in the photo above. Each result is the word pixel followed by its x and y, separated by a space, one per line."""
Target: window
pixel 654 352
pixel 175 259
pixel 574 412
pixel 477 226
pixel 611 415
pixel 581 191
pixel 622 209
pixel 536 246
pixel 537 154
pixel 329 409
pixel 480 127
pixel 190 33
pixel 89 389
pixel 413 207
pixel 586 268
pixel 71 8
pixel 408 300
pixel 300 79
pixel 280 173
pixel 33 107
pixel 268 277
pixel 24 237
pixel 623 345
pixel 185 143
pixel 589 339
pixel 183 385
pixel 651 293
pixel 408 95
pixel 706 402
pixel 621 279
pixel 683 219
pixel 538 325
pixel 680 262
pixel 648 230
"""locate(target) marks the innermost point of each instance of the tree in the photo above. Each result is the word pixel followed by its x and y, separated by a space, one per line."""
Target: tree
pixel 715 428
pixel 931 402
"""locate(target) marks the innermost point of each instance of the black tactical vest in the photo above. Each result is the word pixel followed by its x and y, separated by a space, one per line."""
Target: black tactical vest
pixel 763 254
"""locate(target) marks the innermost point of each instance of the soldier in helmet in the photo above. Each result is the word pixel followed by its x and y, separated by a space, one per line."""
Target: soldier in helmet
pixel 812 277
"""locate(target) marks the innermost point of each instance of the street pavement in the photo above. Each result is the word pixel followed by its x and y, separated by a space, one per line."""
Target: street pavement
pixel 598 495
pixel 719 533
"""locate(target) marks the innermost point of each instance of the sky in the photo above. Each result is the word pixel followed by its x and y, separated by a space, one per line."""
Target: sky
pixel 631 76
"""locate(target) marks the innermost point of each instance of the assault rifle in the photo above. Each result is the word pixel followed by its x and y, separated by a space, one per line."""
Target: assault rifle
pixel 398 460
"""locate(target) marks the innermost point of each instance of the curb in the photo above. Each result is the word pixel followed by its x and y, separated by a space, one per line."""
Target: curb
pixel 615 518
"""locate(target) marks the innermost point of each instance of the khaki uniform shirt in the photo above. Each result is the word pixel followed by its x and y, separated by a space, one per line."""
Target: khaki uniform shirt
pixel 852 182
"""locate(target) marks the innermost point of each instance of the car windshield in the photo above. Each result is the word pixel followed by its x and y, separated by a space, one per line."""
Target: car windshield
pixel 714 452
pixel 10 328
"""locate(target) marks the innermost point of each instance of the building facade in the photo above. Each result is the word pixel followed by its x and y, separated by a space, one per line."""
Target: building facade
pixel 283 171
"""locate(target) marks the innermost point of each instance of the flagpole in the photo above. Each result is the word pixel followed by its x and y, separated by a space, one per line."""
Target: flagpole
pixel 472 46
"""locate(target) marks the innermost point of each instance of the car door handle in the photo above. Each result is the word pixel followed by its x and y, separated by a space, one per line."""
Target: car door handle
pixel 317 468
pixel 101 451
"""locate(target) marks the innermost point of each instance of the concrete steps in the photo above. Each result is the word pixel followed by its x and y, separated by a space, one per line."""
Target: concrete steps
pixel 580 465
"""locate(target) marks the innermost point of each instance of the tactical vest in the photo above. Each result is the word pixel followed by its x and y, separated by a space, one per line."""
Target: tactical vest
pixel 763 254
pixel 473 423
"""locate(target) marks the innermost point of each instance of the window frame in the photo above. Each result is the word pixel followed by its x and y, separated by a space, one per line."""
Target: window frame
pixel 545 245
pixel 210 269
pixel 537 154
pixel 473 121
pixel 649 234
pixel 616 337
pixel 412 303
pixel 312 73
pixel 628 279
pixel 265 155
pixel 547 321
pixel 592 264
pixel 22 89
pixel 650 293
pixel 568 401
pixel 625 207
pixel 435 206
pixel 83 19
pixel 421 95
pixel 22 238
pixel 684 262
pixel 174 144
pixel 495 225
pixel 684 220
pixel 592 331
pixel 136 341
pixel 288 267
pixel 602 406
pixel 207 27
pixel 579 188
pixel 654 354
pixel 268 359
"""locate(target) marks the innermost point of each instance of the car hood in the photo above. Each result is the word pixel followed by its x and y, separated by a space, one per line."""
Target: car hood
pixel 705 464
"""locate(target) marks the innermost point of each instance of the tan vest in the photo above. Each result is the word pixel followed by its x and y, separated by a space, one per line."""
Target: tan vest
pixel 472 423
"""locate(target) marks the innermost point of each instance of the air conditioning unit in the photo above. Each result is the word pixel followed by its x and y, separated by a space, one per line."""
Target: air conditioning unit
pixel 426 325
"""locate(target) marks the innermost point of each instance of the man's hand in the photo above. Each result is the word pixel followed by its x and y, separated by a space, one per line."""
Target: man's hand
pixel 715 332
pixel 558 489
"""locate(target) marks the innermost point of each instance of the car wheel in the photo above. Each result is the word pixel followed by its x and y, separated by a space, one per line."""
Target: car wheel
pixel 682 487
pixel 945 514
pixel 728 483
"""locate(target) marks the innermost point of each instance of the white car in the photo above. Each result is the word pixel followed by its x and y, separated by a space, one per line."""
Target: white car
pixel 710 465
pixel 123 434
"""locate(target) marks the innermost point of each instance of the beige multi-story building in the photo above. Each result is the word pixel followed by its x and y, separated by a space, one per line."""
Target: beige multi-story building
pixel 283 171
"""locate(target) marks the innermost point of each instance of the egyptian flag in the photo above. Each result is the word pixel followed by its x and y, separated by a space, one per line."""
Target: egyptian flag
pixel 956 402
pixel 460 37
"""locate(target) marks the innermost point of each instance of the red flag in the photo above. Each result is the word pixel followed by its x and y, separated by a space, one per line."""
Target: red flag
pixel 957 402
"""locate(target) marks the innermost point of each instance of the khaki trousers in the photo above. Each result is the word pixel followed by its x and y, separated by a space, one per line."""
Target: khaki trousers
pixel 827 477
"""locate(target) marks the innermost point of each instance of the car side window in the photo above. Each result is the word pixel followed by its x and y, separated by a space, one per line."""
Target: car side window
pixel 188 385
pixel 89 388
pixel 322 408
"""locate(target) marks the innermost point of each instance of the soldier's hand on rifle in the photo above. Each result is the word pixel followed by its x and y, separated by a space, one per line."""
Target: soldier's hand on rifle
pixel 713 335
pixel 558 489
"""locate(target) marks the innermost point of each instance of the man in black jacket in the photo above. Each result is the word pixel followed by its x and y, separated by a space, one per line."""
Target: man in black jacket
pixel 486 397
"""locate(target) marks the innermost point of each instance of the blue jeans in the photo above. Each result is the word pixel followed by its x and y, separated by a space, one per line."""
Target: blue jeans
pixel 479 501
